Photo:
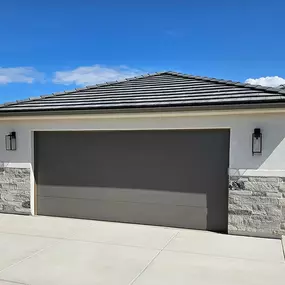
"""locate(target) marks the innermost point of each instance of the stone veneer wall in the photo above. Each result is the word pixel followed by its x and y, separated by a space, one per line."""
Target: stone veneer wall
pixel 257 206
pixel 15 190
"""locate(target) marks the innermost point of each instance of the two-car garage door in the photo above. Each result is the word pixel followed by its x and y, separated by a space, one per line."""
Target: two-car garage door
pixel 171 178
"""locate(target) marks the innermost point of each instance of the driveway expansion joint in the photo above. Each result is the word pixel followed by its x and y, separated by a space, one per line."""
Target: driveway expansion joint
pixel 28 257
pixel 12 282
pixel 151 261
pixel 224 256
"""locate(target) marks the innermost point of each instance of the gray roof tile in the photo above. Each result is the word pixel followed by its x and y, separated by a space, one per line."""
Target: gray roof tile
pixel 163 89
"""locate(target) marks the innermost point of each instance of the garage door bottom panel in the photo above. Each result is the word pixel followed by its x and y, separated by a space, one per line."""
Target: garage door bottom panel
pixel 138 213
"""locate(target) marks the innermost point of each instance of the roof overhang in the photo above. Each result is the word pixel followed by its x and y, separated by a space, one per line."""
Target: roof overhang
pixel 261 108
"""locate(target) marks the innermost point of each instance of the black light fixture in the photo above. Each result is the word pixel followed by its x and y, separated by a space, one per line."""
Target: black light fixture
pixel 256 141
pixel 10 141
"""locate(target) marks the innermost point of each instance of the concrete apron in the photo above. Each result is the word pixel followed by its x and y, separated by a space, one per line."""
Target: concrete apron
pixel 47 250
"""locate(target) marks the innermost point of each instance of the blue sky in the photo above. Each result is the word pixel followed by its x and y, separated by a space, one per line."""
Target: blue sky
pixel 49 46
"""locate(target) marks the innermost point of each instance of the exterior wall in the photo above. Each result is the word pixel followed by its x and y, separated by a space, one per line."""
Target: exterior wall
pixel 15 190
pixel 243 166
pixel 257 206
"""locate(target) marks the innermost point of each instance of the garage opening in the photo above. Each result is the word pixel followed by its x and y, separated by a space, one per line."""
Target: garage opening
pixel 175 178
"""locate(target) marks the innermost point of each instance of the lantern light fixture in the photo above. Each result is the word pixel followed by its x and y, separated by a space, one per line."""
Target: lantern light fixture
pixel 10 141
pixel 256 141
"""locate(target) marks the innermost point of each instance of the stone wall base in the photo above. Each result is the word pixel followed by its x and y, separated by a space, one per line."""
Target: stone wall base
pixel 257 206
pixel 15 190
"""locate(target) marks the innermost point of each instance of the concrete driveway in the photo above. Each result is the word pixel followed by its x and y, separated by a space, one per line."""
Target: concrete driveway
pixel 45 250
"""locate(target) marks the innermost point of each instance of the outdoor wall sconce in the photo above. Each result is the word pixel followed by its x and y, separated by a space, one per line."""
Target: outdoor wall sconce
pixel 256 142
pixel 10 141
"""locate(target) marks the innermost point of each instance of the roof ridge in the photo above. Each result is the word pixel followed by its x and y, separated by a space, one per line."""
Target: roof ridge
pixel 108 83
pixel 229 82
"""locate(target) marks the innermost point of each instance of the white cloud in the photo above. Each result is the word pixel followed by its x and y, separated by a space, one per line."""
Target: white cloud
pixel 272 81
pixel 88 75
pixel 20 75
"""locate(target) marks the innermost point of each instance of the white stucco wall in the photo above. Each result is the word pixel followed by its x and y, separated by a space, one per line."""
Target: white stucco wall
pixel 241 126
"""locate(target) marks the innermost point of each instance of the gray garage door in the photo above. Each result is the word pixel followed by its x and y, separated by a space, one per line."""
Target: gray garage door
pixel 171 178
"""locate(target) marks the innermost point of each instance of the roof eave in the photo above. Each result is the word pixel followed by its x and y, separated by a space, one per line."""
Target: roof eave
pixel 216 107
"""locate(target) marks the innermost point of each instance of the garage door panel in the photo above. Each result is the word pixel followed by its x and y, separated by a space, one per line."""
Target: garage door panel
pixel 160 169
pixel 160 160
pixel 145 213
pixel 125 195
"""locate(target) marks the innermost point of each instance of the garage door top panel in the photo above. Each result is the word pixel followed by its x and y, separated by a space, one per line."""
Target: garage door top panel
pixel 133 160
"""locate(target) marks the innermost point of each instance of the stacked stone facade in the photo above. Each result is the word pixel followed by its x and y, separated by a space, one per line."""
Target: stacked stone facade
pixel 15 190
pixel 257 206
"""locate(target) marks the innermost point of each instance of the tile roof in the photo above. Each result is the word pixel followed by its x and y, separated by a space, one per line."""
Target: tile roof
pixel 158 90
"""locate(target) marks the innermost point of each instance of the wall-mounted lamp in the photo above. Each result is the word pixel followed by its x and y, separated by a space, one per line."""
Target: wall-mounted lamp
pixel 256 142
pixel 10 141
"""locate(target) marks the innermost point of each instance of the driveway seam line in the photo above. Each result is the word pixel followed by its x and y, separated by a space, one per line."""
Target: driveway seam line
pixel 224 256
pixel 283 245
pixel 14 282
pixel 27 257
pixel 79 240
pixel 29 235
pixel 151 261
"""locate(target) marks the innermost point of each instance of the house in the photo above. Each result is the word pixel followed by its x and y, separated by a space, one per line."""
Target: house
pixel 162 149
